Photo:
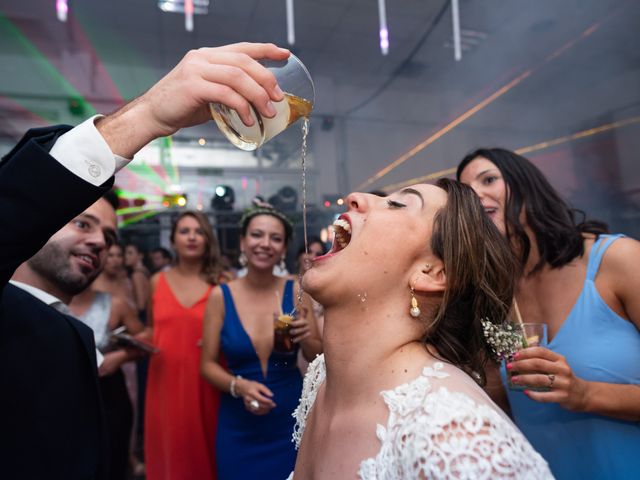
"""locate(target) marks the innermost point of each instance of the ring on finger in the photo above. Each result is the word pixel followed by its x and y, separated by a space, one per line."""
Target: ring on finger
pixel 552 378
pixel 254 405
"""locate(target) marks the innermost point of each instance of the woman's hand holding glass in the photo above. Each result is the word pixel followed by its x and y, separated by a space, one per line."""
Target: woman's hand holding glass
pixel 257 397
pixel 559 383
pixel 300 326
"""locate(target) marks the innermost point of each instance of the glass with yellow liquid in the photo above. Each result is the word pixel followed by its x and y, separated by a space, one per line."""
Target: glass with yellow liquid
pixel 299 92
pixel 282 341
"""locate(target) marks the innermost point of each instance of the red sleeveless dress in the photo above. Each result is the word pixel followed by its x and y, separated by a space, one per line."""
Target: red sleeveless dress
pixel 181 412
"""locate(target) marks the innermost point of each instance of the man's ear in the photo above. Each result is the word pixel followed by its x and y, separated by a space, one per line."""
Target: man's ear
pixel 430 278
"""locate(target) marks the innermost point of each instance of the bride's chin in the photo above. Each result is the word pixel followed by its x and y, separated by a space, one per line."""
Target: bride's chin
pixel 308 283
pixel 315 283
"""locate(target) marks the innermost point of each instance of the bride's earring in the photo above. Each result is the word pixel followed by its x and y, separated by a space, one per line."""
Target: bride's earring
pixel 283 264
pixel 242 259
pixel 414 311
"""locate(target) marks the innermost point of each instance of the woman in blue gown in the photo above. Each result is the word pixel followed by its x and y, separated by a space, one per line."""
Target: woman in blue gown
pixel 261 383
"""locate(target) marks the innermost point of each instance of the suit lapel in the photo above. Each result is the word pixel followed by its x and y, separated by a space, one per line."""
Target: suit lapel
pixel 86 336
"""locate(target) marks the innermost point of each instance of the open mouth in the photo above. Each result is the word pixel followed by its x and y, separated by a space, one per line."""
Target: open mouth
pixel 342 234
pixel 87 261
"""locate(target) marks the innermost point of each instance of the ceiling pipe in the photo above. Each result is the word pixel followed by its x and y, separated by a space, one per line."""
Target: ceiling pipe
pixel 455 17
pixel 384 32
pixel 291 29
pixel 188 15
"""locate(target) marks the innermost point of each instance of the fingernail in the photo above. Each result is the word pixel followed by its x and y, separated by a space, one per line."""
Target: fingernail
pixel 526 392
pixel 515 379
pixel 271 110
pixel 516 355
pixel 509 366
pixel 278 91
pixel 247 120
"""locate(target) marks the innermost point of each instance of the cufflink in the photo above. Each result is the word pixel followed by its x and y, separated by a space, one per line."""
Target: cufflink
pixel 94 170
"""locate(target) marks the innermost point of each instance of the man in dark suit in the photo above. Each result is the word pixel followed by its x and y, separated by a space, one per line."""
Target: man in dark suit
pixel 50 404
pixel 51 422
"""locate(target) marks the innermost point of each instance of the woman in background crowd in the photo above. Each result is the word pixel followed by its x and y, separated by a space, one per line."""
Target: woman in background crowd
pixel 161 259
pixel 139 274
pixel 139 277
pixel 584 284
pixel 304 260
pixel 104 312
pixel 181 408
pixel 262 384
pixel 113 278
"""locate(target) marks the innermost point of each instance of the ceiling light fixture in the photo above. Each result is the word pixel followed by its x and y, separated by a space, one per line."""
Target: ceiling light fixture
pixel 291 28
pixel 62 9
pixel 455 17
pixel 188 15
pixel 384 32
pixel 223 199
pixel 188 7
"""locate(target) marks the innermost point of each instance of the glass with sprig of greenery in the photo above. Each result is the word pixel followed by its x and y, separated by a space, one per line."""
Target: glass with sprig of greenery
pixel 506 339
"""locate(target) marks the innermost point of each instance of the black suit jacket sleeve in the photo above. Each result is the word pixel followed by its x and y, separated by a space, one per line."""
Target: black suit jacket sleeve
pixel 38 196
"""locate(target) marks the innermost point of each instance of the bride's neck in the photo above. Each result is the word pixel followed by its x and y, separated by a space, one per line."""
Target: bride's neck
pixel 363 346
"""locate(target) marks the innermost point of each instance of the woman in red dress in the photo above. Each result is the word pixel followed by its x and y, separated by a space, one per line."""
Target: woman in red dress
pixel 181 408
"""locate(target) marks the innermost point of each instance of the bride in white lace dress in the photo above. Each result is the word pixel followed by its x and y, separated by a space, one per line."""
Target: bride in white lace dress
pixel 394 396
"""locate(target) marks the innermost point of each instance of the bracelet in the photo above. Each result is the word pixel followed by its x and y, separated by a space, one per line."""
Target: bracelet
pixel 232 387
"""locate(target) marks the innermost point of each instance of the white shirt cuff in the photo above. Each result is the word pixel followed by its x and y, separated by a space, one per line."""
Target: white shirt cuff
pixel 83 151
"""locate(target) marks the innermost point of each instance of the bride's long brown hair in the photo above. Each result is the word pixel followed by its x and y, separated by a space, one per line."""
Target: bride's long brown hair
pixel 481 272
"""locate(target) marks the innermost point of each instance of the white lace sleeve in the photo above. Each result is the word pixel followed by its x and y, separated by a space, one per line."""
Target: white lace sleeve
pixel 436 434
pixel 315 376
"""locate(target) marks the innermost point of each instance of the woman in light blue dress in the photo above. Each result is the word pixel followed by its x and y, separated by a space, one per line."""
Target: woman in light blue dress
pixel 584 284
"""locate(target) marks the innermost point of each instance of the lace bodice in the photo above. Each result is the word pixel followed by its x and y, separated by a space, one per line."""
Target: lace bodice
pixel 437 430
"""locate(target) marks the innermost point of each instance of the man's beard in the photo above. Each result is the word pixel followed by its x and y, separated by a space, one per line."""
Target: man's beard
pixel 52 262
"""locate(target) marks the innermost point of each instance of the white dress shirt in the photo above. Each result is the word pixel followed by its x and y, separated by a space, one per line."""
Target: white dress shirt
pixel 83 151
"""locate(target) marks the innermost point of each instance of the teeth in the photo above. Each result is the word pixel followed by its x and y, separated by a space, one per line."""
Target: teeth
pixel 342 224
pixel 342 230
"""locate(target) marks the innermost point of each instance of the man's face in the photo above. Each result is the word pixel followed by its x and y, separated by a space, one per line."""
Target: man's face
pixel 158 260
pixel 74 256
